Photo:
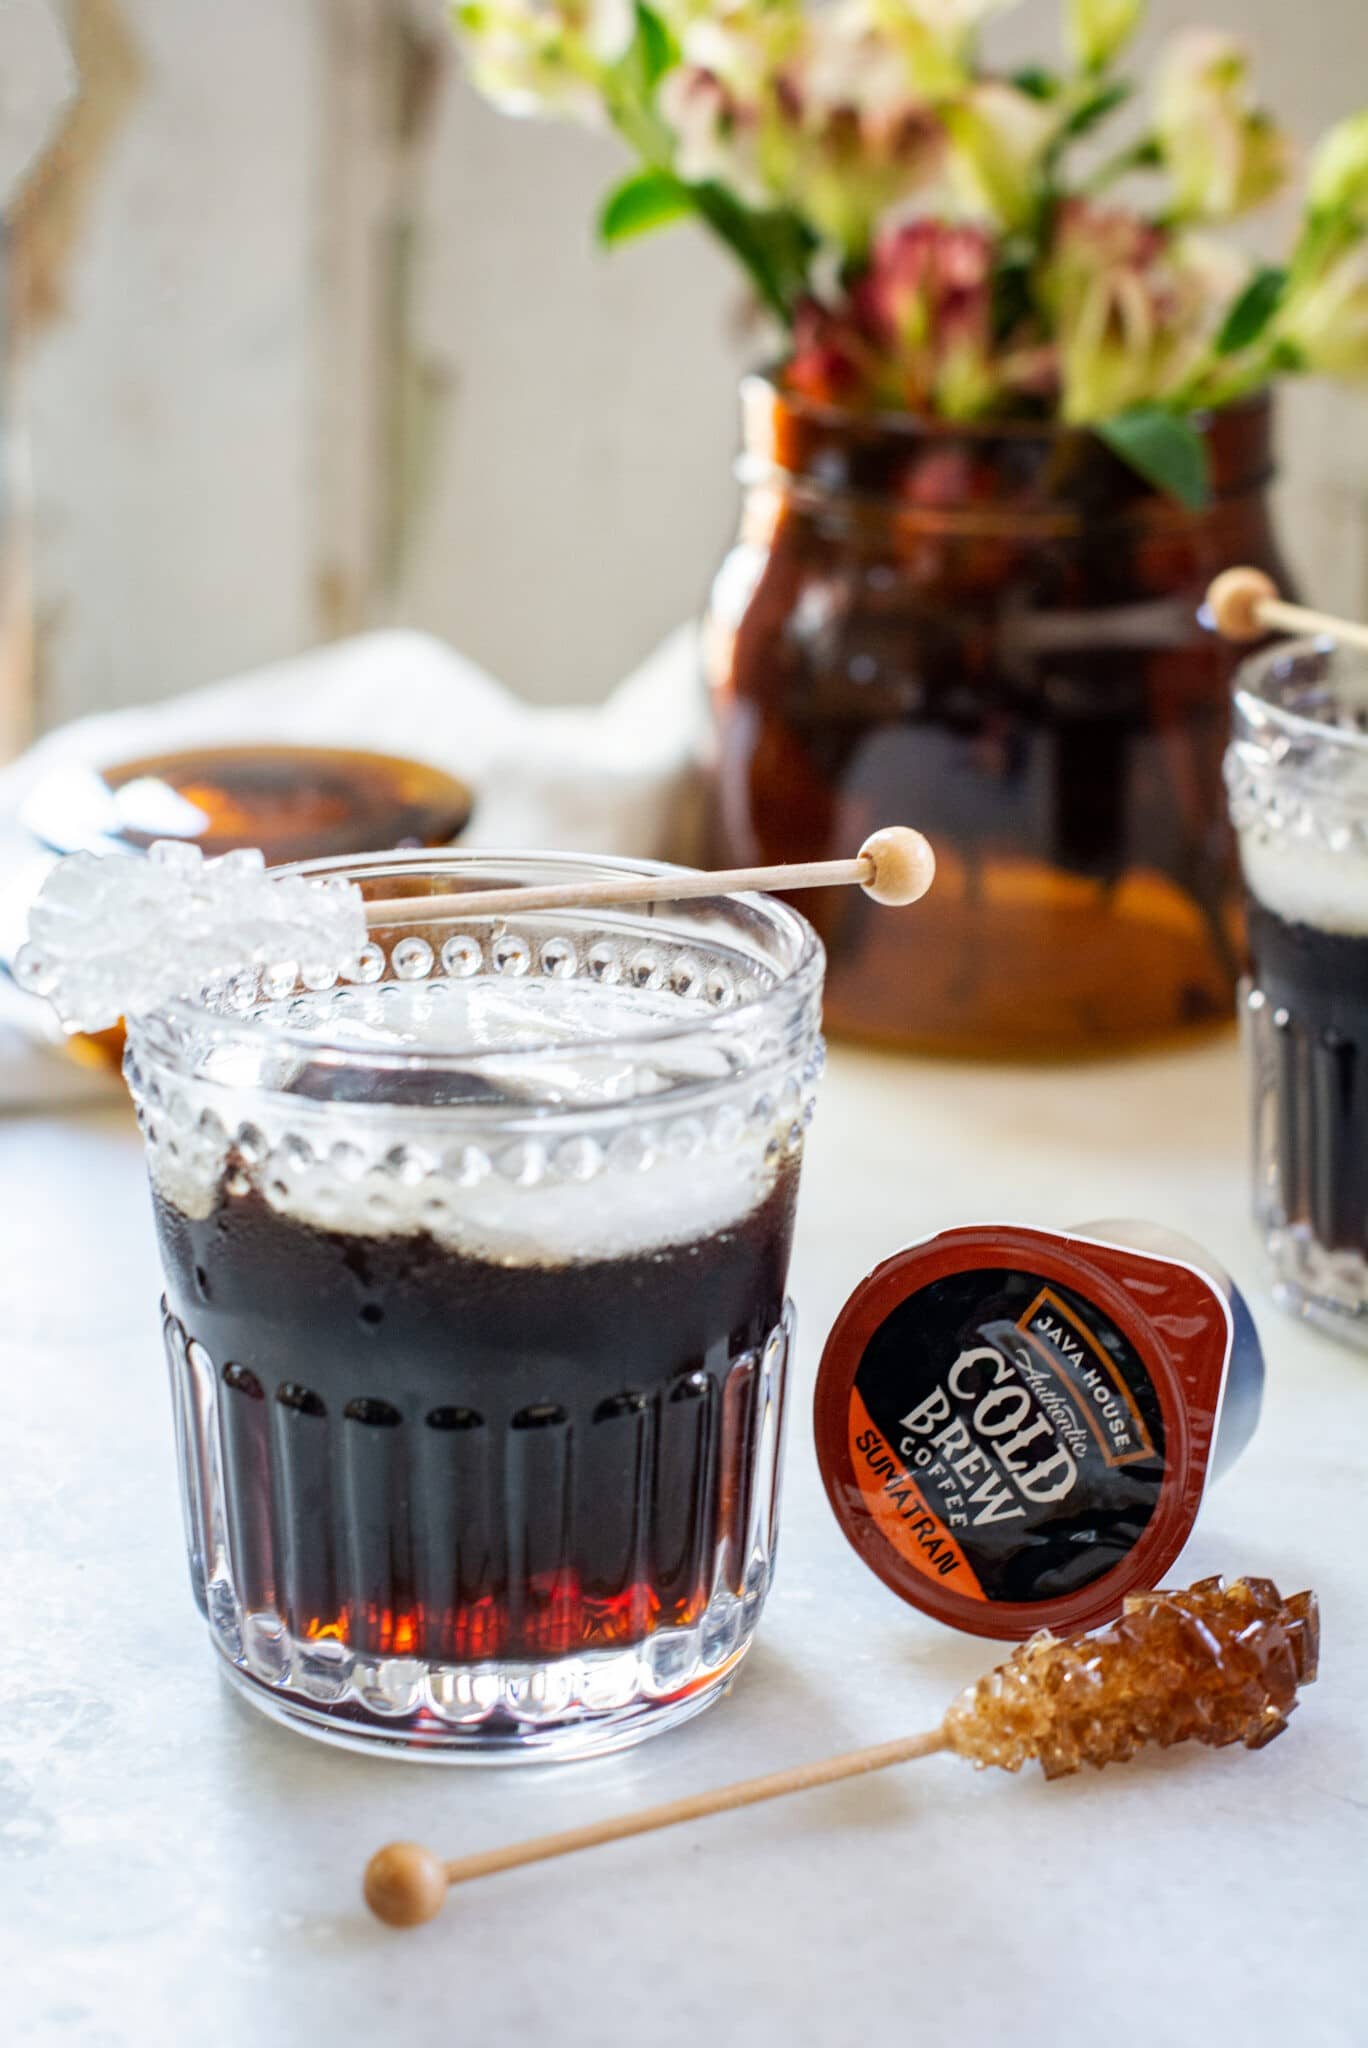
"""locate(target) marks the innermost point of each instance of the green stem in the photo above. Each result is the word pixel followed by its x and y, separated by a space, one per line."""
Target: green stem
pixel 734 225
pixel 1222 381
pixel 649 138
pixel 1140 156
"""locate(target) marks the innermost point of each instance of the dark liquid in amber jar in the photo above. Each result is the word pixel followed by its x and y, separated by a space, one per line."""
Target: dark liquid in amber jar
pixel 990 633
pixel 432 1454
pixel 1315 987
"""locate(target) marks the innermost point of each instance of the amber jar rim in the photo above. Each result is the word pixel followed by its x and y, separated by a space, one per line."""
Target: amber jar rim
pixel 929 426
pixel 1058 479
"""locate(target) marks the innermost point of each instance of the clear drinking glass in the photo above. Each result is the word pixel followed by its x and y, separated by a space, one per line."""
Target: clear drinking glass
pixel 1297 773
pixel 475 1312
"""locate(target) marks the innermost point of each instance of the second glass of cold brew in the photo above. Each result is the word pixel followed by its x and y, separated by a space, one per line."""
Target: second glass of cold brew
pixel 475 1307
pixel 1297 773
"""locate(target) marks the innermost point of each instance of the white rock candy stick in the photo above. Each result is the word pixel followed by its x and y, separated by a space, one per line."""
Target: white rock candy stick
pixel 113 937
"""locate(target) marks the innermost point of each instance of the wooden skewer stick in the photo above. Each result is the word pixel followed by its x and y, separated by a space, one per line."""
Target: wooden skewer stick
pixel 406 1884
pixel 1244 605
pixel 894 866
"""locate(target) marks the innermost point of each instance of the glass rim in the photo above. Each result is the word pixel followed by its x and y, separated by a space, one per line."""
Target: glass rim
pixel 1258 709
pixel 165 1028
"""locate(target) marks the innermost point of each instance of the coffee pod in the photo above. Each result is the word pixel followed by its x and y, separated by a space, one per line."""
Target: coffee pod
pixel 1016 1427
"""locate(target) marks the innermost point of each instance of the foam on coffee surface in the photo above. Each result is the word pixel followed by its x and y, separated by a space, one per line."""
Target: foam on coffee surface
pixel 1307 883
pixel 603 1188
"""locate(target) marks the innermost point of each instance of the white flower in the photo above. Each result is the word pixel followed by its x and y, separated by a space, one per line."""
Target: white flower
pixel 846 62
pixel 535 56
pixel 810 111
pixel 1098 30
pixel 1339 171
pixel 1325 321
pixel 1224 153
pixel 611 27
pixel 715 133
pixel 954 21
pixel 743 52
pixel 1000 137
pixel 1135 310
pixel 936 37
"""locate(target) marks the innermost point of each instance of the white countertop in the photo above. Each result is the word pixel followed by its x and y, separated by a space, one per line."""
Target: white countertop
pixel 176 1869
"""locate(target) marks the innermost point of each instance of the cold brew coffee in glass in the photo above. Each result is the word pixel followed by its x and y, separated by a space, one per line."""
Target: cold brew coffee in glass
pixel 475 1307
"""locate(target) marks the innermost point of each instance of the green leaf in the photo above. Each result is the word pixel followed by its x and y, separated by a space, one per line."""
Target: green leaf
pixel 775 247
pixel 1095 108
pixel 1287 358
pixel 656 49
pixel 1035 83
pixel 1164 448
pixel 629 86
pixel 1252 311
pixel 645 200
pixel 1012 300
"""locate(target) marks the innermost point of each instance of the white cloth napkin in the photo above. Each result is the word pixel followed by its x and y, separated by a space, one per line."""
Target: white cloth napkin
pixel 622 777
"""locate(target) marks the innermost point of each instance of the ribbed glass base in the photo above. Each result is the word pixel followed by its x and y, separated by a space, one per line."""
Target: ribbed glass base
pixel 376 1667
pixel 569 1708
pixel 1329 1289
pixel 1310 1116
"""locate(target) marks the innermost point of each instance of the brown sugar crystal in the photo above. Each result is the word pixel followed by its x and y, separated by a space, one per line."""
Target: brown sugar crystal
pixel 1216 1664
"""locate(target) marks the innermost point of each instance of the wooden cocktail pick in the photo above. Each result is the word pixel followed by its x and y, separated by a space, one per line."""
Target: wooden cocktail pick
pixel 895 866
pixel 1244 605
pixel 1216 1664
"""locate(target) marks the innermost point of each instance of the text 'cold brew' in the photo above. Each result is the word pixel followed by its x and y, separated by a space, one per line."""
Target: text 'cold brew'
pixel 1016 1426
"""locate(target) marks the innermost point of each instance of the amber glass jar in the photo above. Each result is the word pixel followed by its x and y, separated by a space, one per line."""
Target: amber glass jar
pixel 992 633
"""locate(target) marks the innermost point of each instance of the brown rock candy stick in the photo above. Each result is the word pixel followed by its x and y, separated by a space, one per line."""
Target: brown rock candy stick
pixel 1217 1664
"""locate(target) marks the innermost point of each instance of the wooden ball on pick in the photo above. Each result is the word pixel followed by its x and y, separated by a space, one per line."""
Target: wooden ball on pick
pixel 1236 600
pixel 1243 605
pixel 405 1884
pixel 904 865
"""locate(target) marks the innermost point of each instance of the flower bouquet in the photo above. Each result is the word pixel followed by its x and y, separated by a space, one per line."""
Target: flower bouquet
pixel 1016 418
pixel 939 238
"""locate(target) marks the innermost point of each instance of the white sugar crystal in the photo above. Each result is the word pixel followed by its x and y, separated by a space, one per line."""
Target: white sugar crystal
pixel 112 937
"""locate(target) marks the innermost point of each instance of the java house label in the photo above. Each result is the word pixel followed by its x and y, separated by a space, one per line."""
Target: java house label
pixel 1014 1427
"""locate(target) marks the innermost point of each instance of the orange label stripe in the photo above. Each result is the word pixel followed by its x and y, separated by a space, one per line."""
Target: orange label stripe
pixel 900 1510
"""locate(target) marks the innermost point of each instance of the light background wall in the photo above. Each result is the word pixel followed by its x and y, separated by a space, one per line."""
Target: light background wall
pixel 317 339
